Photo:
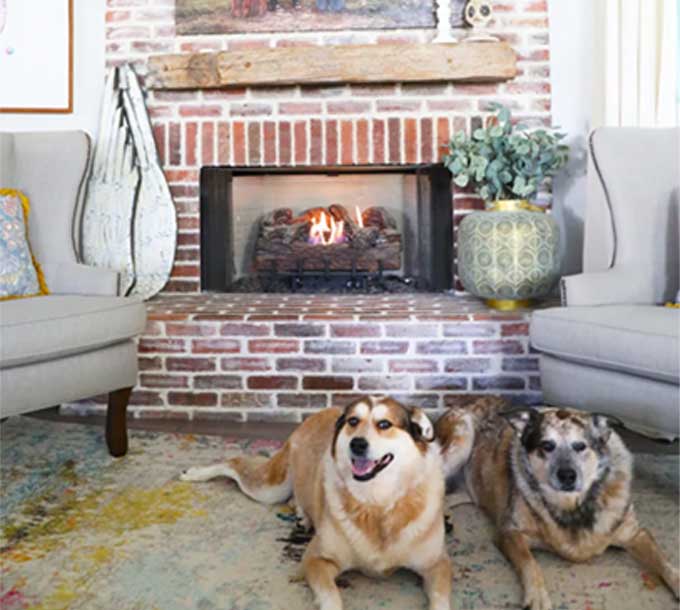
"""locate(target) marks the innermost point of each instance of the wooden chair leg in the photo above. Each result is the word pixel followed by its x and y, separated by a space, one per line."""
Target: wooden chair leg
pixel 116 424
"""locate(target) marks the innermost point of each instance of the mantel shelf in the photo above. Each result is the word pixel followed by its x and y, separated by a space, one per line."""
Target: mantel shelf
pixel 468 62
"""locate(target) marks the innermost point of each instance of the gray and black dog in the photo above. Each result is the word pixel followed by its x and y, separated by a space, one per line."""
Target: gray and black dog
pixel 551 478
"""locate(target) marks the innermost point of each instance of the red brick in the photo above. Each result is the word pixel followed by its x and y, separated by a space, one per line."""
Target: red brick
pixel 185 271
pixel 413 366
pixel 163 381
pixel 441 382
pixel 182 286
pixel 500 382
pixel 520 364
pixel 394 129
pixel 300 108
pixel 398 105
pixel 149 364
pixel 193 399
pixel 411 330
pixel 441 347
pixel 223 143
pixel 303 400
pixel 254 144
pixel 301 364
pixel 151 46
pixel 357 365
pixel 182 175
pixel 208 143
pixel 331 142
pixel 355 330
pixel 513 330
pixel 330 347
pixel 197 330
pixel 239 134
pixel 467 365
pixel 347 142
pixel 319 382
pixel 199 47
pixel 159 138
pixel 426 154
pixel 215 346
pixel 175 144
pixel 300 142
pixel 348 107
pixel 362 142
pixel 249 109
pixel 384 383
pixel 161 346
pixel 218 382
pixel 384 347
pixel 189 364
pixel 240 400
pixel 498 347
pixel 144 398
pixel 239 329
pixel 245 364
pixel 316 143
pixel 272 382
pixel 187 254
pixel 188 239
pixel 117 16
pixel 285 144
pixel 411 140
pixel 269 143
pixel 378 127
pixel 180 191
pixel 299 330
pixel 273 346
pixel 200 111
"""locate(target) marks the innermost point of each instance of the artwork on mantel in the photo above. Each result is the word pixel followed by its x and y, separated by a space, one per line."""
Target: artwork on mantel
pixel 36 37
pixel 236 16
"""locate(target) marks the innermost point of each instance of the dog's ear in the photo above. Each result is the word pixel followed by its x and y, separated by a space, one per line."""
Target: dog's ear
pixel 600 427
pixel 421 426
pixel 527 424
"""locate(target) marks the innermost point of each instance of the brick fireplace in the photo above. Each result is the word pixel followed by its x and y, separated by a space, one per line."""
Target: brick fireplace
pixel 276 356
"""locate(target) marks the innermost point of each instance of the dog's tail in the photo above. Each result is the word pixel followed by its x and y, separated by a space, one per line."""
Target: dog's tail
pixel 269 482
pixel 457 428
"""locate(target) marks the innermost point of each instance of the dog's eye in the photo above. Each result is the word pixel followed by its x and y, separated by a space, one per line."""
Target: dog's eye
pixel 353 421
pixel 548 446
pixel 578 447
pixel 383 424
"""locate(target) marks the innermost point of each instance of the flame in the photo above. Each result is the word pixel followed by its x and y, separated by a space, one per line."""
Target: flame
pixel 324 232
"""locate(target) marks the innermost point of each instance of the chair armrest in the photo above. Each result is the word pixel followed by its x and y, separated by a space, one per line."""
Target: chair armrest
pixel 73 278
pixel 618 285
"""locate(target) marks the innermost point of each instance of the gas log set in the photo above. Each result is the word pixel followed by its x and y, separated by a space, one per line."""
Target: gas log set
pixel 328 240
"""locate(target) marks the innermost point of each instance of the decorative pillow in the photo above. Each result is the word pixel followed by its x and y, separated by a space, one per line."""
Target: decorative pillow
pixel 20 274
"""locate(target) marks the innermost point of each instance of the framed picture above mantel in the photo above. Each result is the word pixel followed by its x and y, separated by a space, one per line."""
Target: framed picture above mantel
pixel 36 56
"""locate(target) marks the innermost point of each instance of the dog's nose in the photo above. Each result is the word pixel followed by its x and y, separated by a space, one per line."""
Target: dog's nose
pixel 566 476
pixel 358 445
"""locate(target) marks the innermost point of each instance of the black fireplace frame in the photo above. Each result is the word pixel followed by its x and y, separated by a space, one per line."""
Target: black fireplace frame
pixel 435 217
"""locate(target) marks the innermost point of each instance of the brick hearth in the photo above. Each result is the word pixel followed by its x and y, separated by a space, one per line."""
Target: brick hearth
pixel 276 357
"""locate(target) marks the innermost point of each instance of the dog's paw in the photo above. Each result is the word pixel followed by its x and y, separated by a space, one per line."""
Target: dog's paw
pixel 537 599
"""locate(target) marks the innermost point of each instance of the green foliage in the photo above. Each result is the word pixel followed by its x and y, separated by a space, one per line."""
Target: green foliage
pixel 503 161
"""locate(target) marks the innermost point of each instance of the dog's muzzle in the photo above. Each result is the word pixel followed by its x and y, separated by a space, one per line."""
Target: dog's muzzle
pixel 363 468
pixel 567 479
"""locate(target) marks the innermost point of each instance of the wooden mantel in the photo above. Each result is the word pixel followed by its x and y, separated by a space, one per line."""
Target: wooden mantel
pixel 470 62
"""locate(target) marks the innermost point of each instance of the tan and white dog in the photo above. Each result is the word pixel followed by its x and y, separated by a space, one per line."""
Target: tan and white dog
pixel 552 478
pixel 369 480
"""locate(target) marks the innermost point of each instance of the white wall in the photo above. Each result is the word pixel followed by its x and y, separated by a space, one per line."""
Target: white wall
pixel 572 51
pixel 88 50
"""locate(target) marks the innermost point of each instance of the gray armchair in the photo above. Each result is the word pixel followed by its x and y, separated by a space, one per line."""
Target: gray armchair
pixel 612 348
pixel 78 341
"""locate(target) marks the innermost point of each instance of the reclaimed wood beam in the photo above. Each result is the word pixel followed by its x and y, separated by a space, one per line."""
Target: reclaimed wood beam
pixel 470 62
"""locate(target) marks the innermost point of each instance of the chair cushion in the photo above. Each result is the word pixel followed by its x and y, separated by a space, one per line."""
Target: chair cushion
pixel 637 339
pixel 34 330
pixel 20 274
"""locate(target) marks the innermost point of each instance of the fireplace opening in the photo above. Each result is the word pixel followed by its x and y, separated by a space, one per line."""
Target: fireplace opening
pixel 342 229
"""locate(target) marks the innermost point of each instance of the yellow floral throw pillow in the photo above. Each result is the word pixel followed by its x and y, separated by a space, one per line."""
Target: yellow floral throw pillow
pixel 20 274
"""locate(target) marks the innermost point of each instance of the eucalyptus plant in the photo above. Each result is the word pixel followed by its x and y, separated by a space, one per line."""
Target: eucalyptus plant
pixel 505 161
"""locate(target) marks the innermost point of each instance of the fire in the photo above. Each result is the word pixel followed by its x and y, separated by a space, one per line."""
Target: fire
pixel 325 230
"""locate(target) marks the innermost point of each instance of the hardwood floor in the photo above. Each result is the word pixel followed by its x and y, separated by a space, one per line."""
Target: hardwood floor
pixel 280 431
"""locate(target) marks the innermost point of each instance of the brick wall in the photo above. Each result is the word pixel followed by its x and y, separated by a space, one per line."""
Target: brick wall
pixel 343 124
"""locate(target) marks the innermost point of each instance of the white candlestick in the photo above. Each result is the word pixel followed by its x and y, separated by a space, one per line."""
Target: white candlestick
pixel 444 22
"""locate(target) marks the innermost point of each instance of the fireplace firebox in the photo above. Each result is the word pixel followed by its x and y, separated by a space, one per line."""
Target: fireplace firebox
pixel 327 229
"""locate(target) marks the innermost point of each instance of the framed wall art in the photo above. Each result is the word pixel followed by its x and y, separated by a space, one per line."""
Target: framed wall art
pixel 234 16
pixel 36 56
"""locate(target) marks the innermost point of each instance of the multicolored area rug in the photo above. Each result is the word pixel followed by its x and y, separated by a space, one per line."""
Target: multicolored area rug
pixel 83 531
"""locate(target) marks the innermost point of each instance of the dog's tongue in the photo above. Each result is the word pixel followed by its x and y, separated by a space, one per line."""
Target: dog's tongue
pixel 361 466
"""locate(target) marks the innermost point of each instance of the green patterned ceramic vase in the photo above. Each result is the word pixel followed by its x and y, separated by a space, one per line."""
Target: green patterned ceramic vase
pixel 510 254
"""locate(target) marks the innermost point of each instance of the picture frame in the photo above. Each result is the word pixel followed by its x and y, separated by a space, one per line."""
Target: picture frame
pixel 41 46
